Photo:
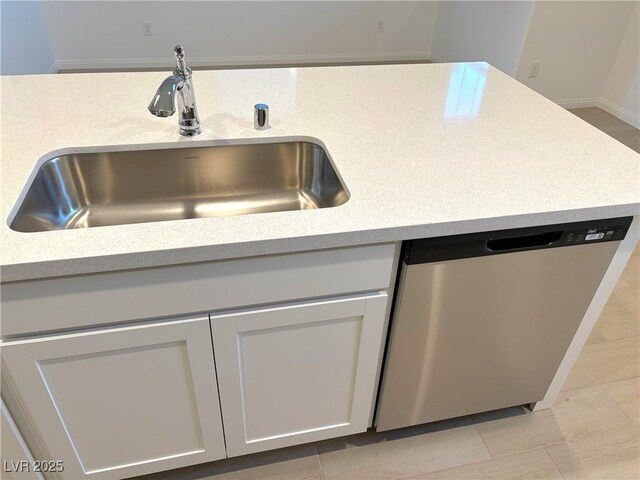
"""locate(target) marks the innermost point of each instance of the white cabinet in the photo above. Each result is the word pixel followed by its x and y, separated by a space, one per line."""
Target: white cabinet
pixel 120 402
pixel 17 461
pixel 297 373
pixel 124 401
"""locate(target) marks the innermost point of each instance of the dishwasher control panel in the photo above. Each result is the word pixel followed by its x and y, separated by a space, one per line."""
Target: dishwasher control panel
pixel 601 233
pixel 439 249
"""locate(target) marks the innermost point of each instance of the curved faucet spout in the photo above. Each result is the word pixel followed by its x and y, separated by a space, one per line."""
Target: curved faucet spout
pixel 163 103
pixel 179 84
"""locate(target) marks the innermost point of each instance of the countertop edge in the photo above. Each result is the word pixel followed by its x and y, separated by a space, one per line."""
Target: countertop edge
pixel 220 252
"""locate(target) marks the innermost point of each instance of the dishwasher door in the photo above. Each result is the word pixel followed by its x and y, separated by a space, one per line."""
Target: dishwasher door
pixel 477 334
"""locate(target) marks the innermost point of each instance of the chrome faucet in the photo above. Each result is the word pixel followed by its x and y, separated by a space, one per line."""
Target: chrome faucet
pixel 164 101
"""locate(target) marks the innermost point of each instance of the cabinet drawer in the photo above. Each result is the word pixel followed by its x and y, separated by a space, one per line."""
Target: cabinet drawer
pixel 77 302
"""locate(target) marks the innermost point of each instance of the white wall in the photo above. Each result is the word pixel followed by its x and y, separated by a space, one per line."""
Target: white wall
pixel 473 31
pixel 109 34
pixel 576 43
pixel 622 88
pixel 24 40
pixel 588 49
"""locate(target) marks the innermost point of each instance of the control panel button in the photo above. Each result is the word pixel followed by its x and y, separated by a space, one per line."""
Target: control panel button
pixel 594 236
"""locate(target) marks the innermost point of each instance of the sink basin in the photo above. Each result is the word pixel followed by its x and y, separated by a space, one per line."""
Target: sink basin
pixel 87 190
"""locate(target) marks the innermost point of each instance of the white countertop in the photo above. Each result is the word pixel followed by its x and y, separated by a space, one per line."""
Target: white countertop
pixel 424 150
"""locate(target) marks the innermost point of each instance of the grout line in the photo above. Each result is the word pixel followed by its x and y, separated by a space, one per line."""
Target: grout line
pixel 611 397
pixel 594 342
pixel 315 447
pixel 475 426
pixel 553 462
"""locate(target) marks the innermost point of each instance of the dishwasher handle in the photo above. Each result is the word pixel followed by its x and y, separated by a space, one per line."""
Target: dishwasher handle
pixel 524 241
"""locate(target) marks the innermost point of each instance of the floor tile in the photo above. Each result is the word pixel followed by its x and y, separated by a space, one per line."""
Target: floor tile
pixel 596 336
pixel 631 139
pixel 619 320
pixel 612 455
pixel 626 394
pixel 220 470
pixel 632 270
pixel 593 114
pixel 533 464
pixel 396 454
pixel 605 362
pixel 293 463
pixel 609 124
pixel 528 431
pixel 576 415
pixel 627 291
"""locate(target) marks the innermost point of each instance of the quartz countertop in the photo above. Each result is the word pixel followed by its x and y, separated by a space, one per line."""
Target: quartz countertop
pixel 425 150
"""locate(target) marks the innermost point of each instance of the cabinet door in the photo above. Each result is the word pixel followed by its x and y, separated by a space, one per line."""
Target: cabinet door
pixel 122 402
pixel 17 461
pixel 297 373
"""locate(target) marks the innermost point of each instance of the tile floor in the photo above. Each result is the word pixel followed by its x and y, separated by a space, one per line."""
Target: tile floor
pixel 592 431
pixel 610 125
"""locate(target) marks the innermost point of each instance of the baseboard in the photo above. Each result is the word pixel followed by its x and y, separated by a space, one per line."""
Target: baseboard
pixel 579 102
pixel 54 68
pixel 619 112
pixel 604 104
pixel 435 58
pixel 168 62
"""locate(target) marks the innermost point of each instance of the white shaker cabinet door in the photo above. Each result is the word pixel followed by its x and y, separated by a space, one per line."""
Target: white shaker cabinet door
pixel 17 461
pixel 297 373
pixel 122 402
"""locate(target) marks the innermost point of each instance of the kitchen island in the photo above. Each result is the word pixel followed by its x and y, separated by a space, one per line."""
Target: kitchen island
pixel 289 297
pixel 424 150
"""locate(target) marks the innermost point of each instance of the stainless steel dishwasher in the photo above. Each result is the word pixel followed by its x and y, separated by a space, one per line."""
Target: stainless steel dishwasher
pixel 482 321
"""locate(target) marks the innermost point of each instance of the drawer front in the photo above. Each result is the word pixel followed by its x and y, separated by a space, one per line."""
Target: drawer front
pixel 90 300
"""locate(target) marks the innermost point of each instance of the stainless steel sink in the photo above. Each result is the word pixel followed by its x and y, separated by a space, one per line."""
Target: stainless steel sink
pixel 95 189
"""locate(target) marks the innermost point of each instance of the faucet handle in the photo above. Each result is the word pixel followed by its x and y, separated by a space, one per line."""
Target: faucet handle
pixel 181 63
